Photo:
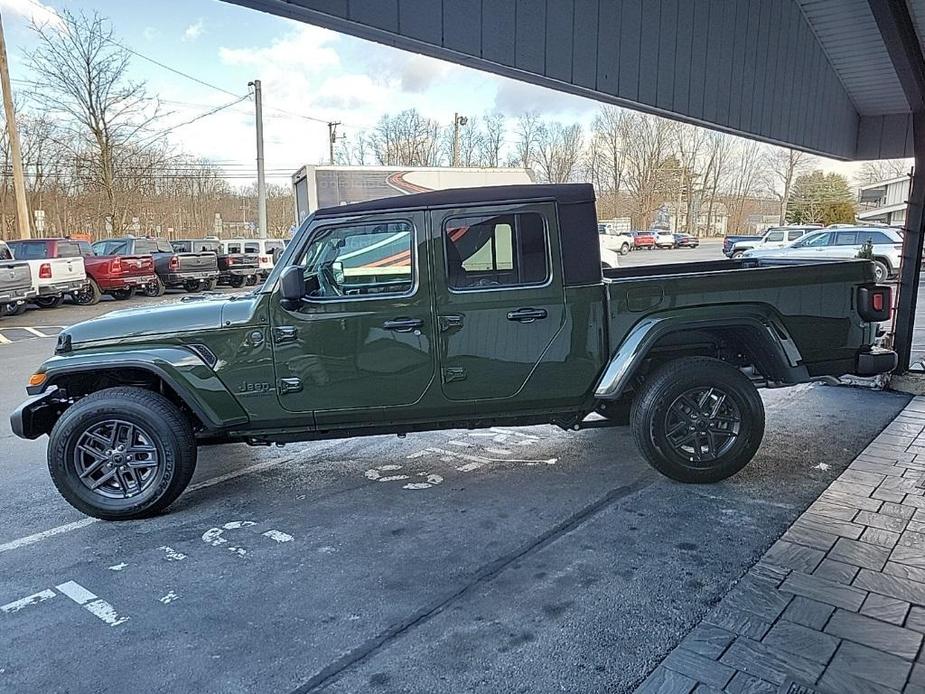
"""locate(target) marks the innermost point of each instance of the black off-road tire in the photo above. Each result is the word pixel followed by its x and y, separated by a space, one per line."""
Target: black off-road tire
pixel 122 294
pixel 237 281
pixel 170 430
pixel 13 309
pixel 48 301
pixel 90 296
pixel 664 387
pixel 154 289
pixel 251 280
pixel 193 286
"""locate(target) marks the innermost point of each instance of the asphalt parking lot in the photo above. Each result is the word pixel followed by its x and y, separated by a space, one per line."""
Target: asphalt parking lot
pixel 507 560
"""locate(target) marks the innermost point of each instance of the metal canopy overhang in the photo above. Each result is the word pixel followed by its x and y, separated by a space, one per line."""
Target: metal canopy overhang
pixel 811 74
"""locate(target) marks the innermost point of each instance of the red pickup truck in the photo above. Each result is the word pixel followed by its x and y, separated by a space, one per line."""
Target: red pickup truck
pixel 116 275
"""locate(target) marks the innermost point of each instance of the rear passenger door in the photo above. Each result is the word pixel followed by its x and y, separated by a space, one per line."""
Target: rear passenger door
pixel 499 298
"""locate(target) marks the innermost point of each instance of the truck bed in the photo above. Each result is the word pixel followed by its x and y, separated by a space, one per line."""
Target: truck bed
pixel 811 300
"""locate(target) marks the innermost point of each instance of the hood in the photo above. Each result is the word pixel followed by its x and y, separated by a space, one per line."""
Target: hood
pixel 191 313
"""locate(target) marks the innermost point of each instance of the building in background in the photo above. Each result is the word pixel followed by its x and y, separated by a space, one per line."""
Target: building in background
pixel 884 202
pixel 331 186
pixel 710 220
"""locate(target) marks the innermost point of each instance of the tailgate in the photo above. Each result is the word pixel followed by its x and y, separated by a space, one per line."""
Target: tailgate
pixel 134 265
pixel 67 269
pixel 241 260
pixel 197 262
pixel 15 276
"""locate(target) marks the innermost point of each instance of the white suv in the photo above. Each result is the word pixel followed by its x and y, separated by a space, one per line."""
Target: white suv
pixel 611 239
pixel 266 251
pixel 843 244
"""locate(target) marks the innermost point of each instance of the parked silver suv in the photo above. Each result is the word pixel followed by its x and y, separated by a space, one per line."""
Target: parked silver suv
pixel 842 244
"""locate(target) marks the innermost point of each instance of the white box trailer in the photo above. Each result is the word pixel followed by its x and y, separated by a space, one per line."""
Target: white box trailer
pixel 330 186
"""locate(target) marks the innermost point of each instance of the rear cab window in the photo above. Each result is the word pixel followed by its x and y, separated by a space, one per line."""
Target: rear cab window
pixel 68 249
pixel 5 252
pixel 29 250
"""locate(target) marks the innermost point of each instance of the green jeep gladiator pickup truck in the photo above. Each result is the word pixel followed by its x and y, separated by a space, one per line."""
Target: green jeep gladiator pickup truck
pixel 448 309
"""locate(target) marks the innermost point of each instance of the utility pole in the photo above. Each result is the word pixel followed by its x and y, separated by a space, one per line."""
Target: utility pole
pixel 19 183
pixel 458 120
pixel 261 178
pixel 332 139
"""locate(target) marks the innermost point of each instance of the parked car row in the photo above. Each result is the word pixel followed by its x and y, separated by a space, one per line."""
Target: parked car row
pixel 45 271
pixel 623 242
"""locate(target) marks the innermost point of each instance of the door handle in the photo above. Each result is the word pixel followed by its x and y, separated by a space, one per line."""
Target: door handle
pixel 403 325
pixel 527 315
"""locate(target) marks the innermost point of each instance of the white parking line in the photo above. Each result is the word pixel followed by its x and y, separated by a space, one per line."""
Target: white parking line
pixel 5 340
pixel 36 332
pixel 76 592
pixel 84 522
pixel 17 605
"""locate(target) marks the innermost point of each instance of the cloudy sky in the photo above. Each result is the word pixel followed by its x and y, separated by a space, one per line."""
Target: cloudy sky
pixel 309 76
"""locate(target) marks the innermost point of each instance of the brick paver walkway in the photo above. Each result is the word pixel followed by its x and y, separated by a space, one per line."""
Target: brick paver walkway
pixel 837 605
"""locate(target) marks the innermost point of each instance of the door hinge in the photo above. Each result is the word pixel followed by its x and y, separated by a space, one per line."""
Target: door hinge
pixel 454 373
pixel 289 385
pixel 284 333
pixel 450 322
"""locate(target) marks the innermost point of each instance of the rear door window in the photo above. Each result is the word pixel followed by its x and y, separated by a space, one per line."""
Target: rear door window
pixel 846 238
pixel 794 234
pixel 508 250
pixel 68 249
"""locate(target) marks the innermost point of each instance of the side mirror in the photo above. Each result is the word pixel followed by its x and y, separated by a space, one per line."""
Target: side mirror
pixel 292 286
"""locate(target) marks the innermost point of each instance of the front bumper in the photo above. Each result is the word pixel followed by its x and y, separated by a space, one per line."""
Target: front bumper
pixel 36 416
pixel 876 361
pixel 16 295
pixel 61 287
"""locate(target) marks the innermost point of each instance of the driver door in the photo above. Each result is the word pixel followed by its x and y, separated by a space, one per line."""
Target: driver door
pixel 362 337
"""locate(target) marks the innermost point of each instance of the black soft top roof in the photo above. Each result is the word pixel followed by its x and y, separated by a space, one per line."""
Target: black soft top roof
pixel 565 193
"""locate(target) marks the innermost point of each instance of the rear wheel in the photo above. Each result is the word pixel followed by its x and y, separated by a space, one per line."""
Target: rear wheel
pixel 625 248
pixel 698 420
pixel 154 289
pixel 251 280
pixel 48 301
pixel 237 281
pixel 12 309
pixel 211 284
pixel 122 453
pixel 881 271
pixel 89 295
pixel 122 294
pixel 192 285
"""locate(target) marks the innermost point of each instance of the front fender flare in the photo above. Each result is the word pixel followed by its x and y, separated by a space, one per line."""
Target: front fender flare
pixel 184 371
pixel 631 353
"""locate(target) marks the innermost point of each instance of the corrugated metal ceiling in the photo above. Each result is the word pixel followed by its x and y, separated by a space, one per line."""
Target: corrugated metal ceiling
pixel 849 36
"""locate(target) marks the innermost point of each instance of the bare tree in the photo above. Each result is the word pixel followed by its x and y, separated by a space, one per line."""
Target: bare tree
pixel 883 170
pixel 406 139
pixel 527 131
pixel 650 165
pixel 785 166
pixel 492 139
pixel 558 152
pixel 82 74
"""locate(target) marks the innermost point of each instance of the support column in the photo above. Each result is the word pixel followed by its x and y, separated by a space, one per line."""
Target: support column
pixel 913 236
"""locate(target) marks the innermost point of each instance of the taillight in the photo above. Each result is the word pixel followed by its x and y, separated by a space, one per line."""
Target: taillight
pixel 264 259
pixel 232 261
pixel 174 262
pixel 875 303
pixel 45 271
pixel 115 266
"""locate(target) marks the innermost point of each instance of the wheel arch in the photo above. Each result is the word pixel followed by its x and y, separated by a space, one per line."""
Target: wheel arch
pixel 753 334
pixel 178 373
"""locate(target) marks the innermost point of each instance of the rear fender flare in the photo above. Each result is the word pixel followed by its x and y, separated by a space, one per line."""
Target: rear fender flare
pixel 760 320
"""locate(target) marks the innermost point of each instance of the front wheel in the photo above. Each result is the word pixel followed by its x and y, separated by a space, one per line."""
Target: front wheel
pixel 737 255
pixel 122 294
pixel 122 453
pixel 698 419
pixel 48 301
pixel 237 281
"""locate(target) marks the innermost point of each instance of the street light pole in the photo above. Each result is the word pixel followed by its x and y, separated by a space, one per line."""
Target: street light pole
pixel 19 183
pixel 458 120
pixel 261 177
